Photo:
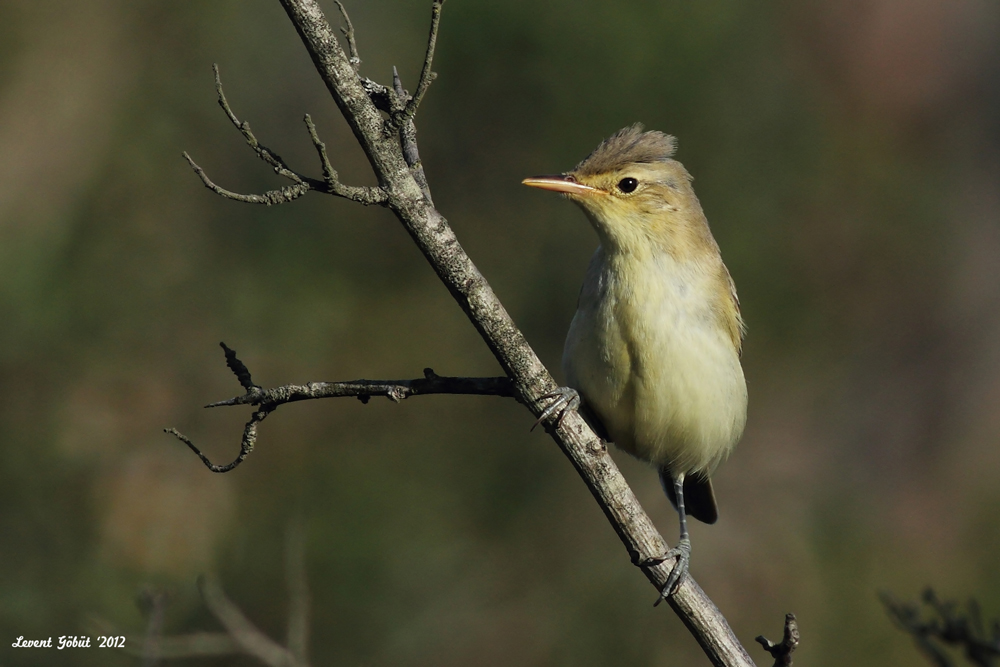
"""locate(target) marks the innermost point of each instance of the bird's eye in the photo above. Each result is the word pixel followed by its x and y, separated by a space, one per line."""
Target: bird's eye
pixel 627 185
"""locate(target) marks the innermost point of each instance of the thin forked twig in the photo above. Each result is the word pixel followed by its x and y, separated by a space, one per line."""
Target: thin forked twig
pixel 331 180
pixel 426 75
pixel 329 173
pixel 349 34
pixel 302 184
pixel 268 156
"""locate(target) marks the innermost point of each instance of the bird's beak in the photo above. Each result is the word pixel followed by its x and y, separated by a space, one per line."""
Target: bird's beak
pixel 561 183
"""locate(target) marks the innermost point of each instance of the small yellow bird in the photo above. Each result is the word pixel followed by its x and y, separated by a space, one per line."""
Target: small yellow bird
pixel 654 347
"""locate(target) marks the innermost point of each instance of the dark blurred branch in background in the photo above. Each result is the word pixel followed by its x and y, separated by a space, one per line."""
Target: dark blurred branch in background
pixel 241 635
pixel 947 626
pixel 153 603
pixel 389 142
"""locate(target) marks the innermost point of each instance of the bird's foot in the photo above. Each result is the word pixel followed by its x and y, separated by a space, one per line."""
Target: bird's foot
pixel 565 399
pixel 683 554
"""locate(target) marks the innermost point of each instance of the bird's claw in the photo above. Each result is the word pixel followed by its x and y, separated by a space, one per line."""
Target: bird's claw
pixel 683 554
pixel 566 400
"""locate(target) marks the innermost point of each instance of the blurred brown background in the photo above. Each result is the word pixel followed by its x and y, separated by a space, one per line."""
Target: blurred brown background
pixel 847 155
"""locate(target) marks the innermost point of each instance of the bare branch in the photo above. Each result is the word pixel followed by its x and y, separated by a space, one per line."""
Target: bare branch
pixel 426 75
pixel 782 653
pixel 394 390
pixel 349 34
pixel 270 399
pixel 243 633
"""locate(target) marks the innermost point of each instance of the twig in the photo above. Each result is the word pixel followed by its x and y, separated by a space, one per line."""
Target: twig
pixel 426 75
pixel 269 198
pixel 302 184
pixel 782 653
pixel 246 443
pixel 238 368
pixel 360 194
pixel 349 34
pixel 265 154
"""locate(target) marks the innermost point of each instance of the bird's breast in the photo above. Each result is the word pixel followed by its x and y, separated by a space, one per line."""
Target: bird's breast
pixel 650 356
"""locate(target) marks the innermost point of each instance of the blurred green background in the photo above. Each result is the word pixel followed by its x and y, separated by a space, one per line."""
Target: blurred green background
pixel 847 155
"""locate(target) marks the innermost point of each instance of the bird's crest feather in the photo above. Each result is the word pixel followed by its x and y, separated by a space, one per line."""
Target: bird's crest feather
pixel 629 145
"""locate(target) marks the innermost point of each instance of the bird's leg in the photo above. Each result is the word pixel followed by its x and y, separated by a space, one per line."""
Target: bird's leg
pixel 565 399
pixel 683 549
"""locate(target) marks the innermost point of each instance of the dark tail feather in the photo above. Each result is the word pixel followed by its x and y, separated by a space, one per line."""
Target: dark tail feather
pixel 699 498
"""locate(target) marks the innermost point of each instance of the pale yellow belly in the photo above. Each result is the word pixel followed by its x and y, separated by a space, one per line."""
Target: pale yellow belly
pixel 666 383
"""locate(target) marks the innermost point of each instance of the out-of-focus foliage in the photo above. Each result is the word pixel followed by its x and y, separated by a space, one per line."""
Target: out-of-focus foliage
pixel 846 154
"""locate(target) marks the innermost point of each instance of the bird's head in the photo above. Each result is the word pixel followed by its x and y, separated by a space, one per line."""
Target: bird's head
pixel 635 194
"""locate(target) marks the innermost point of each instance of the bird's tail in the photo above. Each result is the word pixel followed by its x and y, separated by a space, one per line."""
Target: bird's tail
pixel 699 498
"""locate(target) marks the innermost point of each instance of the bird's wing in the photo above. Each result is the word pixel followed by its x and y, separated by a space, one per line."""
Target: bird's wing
pixel 739 329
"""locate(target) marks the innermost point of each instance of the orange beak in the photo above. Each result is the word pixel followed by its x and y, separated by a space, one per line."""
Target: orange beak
pixel 561 183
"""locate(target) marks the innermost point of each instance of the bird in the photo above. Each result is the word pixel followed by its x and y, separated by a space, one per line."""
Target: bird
pixel 653 351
